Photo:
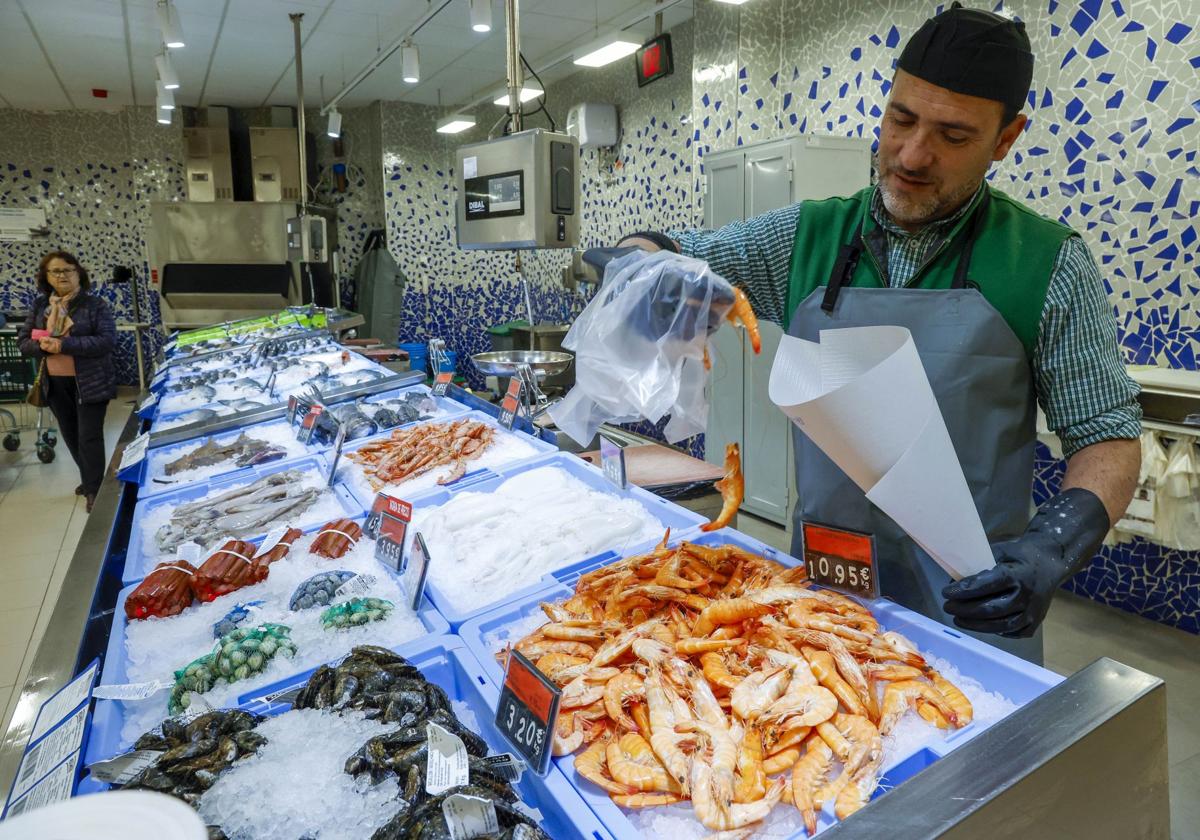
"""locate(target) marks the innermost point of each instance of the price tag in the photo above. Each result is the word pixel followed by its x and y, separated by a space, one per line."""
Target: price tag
pixel 122 769
pixel 309 423
pixel 415 571
pixel 271 540
pixel 506 765
pixel 356 585
pixel 448 761
pixel 612 461
pixel 47 753
pixel 387 525
pixel 134 452
pixel 468 817
pixel 56 786
pixel 338 442
pixel 148 403
pixel 510 406
pixel 840 559
pixel 64 701
pixel 527 711
pixel 441 383
pixel 130 691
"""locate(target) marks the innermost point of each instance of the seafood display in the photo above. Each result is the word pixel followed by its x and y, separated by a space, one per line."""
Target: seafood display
pixel 318 590
pixel 409 408
pixel 235 618
pixel 484 554
pixel 408 453
pixel 355 612
pixel 336 538
pixel 240 654
pixel 354 420
pixel 713 675
pixel 196 752
pixel 229 568
pixel 241 512
pixel 166 591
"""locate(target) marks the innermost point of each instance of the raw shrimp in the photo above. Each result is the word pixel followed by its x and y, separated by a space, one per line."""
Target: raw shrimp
pixel 736 816
pixel 732 487
pixel 899 696
pixel 808 774
pixel 751 778
pixel 554 664
pixel 807 706
pixel 646 800
pixel 858 791
pixel 632 762
pixel 729 611
pixel 743 312
pixel 781 761
pixel 954 697
pixel 716 670
pixel 757 692
pixel 587 688
pixel 591 764
pixel 620 690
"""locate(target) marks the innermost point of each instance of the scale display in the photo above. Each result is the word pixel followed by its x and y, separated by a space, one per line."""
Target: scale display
pixel 496 196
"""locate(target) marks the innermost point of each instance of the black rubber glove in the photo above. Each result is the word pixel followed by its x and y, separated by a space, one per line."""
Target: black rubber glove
pixel 1012 598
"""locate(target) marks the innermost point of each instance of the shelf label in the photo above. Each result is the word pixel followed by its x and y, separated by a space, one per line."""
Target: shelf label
pixel 468 817
pixel 148 403
pixel 441 383
pixel 528 711
pixel 415 571
pixel 130 691
pixel 56 786
pixel 357 585
pixel 448 761
pixel 134 452
pixel 840 559
pixel 510 406
pixel 122 769
pixel 612 461
pixel 387 525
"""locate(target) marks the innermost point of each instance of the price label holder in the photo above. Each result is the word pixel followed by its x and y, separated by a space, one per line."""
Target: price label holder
pixel 528 711
pixel 308 423
pixel 441 383
pixel 147 405
pixel 338 442
pixel 612 461
pixel 132 457
pixel 510 406
pixel 840 559
pixel 48 766
pixel 388 525
pixel 415 571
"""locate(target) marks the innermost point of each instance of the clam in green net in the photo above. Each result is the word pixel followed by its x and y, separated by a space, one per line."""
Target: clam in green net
pixel 236 656
pixel 355 612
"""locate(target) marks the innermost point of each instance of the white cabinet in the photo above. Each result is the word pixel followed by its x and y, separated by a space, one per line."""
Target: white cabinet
pixel 739 184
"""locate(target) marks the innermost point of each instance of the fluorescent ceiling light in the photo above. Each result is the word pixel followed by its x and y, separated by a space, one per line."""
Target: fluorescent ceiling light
pixel 481 15
pixel 410 64
pixel 527 94
pixel 608 48
pixel 168 22
pixel 164 115
pixel 166 73
pixel 455 123
pixel 334 127
pixel 165 99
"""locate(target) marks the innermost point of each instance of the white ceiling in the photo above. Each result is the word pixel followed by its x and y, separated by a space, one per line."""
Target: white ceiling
pixel 239 52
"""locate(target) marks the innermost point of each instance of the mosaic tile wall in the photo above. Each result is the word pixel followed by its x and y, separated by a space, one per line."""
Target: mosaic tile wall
pixel 1111 150
pixel 93 174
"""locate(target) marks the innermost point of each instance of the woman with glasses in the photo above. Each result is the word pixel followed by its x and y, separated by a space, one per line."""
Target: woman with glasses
pixel 74 332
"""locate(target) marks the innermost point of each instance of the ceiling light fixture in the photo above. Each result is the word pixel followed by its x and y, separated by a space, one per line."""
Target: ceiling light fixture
pixel 165 99
pixel 410 64
pixel 334 127
pixel 166 73
pixel 455 123
pixel 481 15
pixel 168 22
pixel 527 94
pixel 164 115
pixel 608 48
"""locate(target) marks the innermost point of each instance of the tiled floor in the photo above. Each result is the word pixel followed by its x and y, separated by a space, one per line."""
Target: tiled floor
pixel 1079 631
pixel 41 520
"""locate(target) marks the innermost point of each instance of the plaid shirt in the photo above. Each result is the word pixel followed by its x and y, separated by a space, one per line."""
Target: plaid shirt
pixel 1081 383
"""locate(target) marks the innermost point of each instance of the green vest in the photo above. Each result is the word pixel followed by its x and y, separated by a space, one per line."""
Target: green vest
pixel 1014 256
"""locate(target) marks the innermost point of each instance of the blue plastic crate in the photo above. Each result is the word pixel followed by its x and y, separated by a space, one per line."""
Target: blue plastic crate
pixel 996 670
pixel 671 515
pixel 444 661
pixel 109 715
pixel 137 564
pixel 366 496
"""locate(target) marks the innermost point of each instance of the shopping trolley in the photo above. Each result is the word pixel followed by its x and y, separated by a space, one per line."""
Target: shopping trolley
pixel 17 373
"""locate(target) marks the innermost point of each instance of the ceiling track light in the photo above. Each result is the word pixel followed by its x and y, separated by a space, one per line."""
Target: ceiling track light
pixel 166 72
pixel 454 123
pixel 334 127
pixel 410 64
pixel 164 115
pixel 168 23
pixel 481 15
pixel 165 99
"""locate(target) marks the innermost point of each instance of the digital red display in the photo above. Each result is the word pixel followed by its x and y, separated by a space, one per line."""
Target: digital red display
pixel 655 60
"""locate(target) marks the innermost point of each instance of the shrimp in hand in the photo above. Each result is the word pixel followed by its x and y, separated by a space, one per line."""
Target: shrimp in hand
pixel 732 488
pixel 742 312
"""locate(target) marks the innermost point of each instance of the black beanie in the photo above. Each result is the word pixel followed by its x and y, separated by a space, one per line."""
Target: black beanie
pixel 972 52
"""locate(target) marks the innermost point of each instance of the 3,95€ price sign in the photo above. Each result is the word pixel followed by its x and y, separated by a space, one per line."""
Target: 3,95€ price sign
pixel 511 404
pixel 840 559
pixel 528 711
pixel 387 525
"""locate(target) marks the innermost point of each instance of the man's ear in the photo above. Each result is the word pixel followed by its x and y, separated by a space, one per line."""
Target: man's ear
pixel 1009 135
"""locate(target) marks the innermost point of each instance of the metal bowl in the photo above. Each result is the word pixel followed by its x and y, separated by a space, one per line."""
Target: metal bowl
pixel 504 362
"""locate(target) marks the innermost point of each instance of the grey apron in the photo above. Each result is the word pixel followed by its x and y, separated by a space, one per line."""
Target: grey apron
pixel 982 380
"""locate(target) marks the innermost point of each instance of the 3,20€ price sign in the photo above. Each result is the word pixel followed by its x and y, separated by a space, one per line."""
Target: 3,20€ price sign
pixel 528 711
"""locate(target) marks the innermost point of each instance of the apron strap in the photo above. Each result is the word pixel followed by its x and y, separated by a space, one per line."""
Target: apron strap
pixel 843 270
pixel 964 257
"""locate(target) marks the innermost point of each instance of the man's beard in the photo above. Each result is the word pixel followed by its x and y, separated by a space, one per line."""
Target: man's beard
pixel 912 210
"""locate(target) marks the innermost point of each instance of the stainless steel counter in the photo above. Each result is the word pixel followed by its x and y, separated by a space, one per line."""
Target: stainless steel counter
pixel 1088 759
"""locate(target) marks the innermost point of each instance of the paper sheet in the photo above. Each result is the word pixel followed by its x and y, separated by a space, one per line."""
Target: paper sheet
pixel 862 396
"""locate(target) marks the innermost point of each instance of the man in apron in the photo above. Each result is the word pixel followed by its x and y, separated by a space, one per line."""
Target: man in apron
pixel 1006 308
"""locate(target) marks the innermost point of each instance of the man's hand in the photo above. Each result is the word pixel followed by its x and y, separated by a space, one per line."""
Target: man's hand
pixel 1012 598
pixel 50 345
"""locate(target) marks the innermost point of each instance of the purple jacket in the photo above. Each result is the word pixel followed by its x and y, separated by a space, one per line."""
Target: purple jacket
pixel 92 341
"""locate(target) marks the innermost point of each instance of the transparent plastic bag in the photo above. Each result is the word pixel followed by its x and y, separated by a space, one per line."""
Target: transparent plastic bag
pixel 639 346
pixel 1179 497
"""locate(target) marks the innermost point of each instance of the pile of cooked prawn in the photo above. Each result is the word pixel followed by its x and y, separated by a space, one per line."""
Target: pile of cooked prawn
pixel 716 675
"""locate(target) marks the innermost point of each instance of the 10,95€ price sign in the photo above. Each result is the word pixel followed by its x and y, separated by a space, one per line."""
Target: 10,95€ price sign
pixel 527 711
pixel 840 559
